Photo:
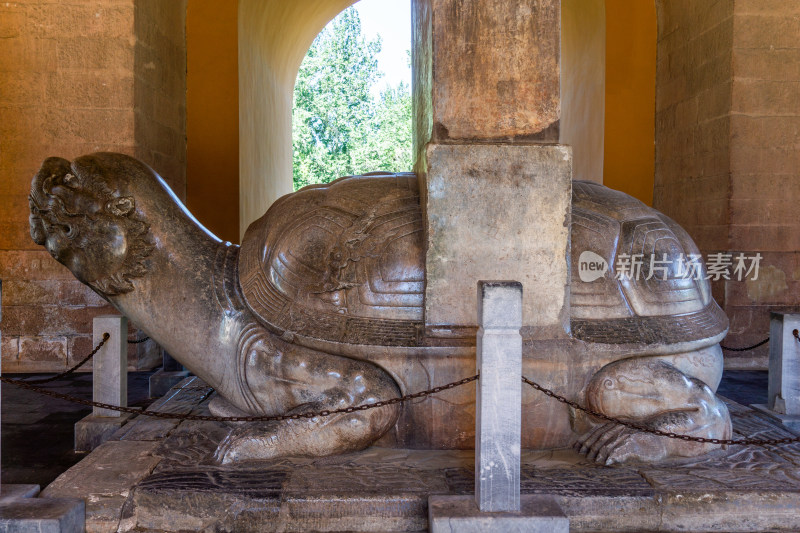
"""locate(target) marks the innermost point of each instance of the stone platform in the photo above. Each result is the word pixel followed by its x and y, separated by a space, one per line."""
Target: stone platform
pixel 156 475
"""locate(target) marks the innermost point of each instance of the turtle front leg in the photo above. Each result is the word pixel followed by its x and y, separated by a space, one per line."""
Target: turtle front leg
pixel 289 379
pixel 654 393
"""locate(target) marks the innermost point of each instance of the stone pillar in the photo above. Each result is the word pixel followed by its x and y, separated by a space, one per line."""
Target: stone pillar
pixel 110 379
pixel 495 187
pixel 110 364
pixel 499 401
pixel 784 370
pixel 497 505
pixel 784 364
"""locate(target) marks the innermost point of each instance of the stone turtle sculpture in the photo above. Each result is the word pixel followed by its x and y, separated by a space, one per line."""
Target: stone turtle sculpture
pixel 321 308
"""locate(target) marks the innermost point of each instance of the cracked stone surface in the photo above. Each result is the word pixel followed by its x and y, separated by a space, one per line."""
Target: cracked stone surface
pixel 154 478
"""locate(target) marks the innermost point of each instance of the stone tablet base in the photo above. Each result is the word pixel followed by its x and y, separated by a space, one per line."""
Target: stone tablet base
pixel 10 492
pixel 43 515
pixel 156 475
pixel 92 431
pixel 790 421
pixel 538 514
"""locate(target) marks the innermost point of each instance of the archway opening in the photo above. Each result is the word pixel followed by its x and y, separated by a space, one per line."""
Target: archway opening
pixel 351 112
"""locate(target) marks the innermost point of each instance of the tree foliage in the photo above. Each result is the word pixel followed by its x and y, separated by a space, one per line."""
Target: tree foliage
pixel 338 126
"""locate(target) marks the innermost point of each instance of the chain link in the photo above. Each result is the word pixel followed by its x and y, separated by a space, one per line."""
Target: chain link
pixel 645 429
pixel 139 341
pixel 762 343
pixel 265 418
pixel 30 385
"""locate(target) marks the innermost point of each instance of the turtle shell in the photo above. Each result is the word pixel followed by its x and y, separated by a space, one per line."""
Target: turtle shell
pixel 344 263
pixel 669 304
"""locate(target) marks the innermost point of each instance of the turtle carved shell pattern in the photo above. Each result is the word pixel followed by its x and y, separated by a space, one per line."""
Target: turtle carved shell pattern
pixel 344 263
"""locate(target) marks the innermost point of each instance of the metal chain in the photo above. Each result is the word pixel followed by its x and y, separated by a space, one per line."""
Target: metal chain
pixel 138 341
pixel 265 418
pixel 762 343
pixel 30 385
pixel 669 434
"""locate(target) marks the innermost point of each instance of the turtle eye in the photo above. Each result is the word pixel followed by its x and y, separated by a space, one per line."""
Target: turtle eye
pixel 70 181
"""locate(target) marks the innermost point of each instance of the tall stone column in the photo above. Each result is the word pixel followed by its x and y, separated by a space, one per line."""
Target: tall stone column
pixel 495 184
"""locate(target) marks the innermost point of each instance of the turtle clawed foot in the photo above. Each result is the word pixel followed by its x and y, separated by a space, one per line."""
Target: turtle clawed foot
pixel 612 443
pixel 245 444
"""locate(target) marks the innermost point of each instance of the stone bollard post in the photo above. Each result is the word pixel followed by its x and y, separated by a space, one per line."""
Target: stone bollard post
pixel 110 380
pixel 499 398
pixel 497 505
pixel 110 363
pixel 784 370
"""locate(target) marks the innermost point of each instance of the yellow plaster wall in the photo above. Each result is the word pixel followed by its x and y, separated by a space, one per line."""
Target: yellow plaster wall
pixel 630 94
pixel 212 116
pixel 274 36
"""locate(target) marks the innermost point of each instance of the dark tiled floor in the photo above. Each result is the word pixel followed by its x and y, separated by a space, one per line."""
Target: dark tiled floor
pixel 37 431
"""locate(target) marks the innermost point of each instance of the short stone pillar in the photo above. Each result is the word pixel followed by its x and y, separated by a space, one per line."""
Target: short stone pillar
pixel 110 380
pixel 784 370
pixel 498 415
pixel 497 504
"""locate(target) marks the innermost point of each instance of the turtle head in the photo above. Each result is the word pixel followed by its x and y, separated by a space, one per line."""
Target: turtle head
pixel 84 213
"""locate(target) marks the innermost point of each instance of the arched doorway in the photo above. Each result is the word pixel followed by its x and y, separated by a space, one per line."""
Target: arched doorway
pixel 274 36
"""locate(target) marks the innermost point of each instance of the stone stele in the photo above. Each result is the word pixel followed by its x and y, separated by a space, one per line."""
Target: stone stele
pixel 322 308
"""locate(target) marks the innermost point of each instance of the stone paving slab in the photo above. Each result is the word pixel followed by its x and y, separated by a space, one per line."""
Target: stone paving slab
pixel 163 479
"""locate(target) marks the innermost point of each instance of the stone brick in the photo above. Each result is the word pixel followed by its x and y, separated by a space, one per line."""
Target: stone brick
pixel 767 64
pixel 22 87
pixel 78 88
pixel 766 31
pixel 37 350
pixel 50 320
pixel 765 186
pixel 106 18
pixel 90 125
pixel 15 236
pixel 94 53
pixel 19 53
pixel 9 349
pixel 73 292
pixel 23 292
pixel 765 238
pixel 31 265
pixel 12 19
pixel 766 97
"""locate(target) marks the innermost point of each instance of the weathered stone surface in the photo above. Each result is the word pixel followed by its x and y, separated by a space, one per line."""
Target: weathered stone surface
pixel 104 478
pixel 498 407
pixel 490 70
pixel 93 430
pixel 162 381
pixel 741 488
pixel 42 515
pixel 457 514
pixel 475 233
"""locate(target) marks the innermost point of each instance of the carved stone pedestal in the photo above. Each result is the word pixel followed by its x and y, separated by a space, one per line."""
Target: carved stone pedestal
pixel 92 430
pixel 537 514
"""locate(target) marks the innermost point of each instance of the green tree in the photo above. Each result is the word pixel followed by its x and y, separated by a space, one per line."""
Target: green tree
pixel 338 127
